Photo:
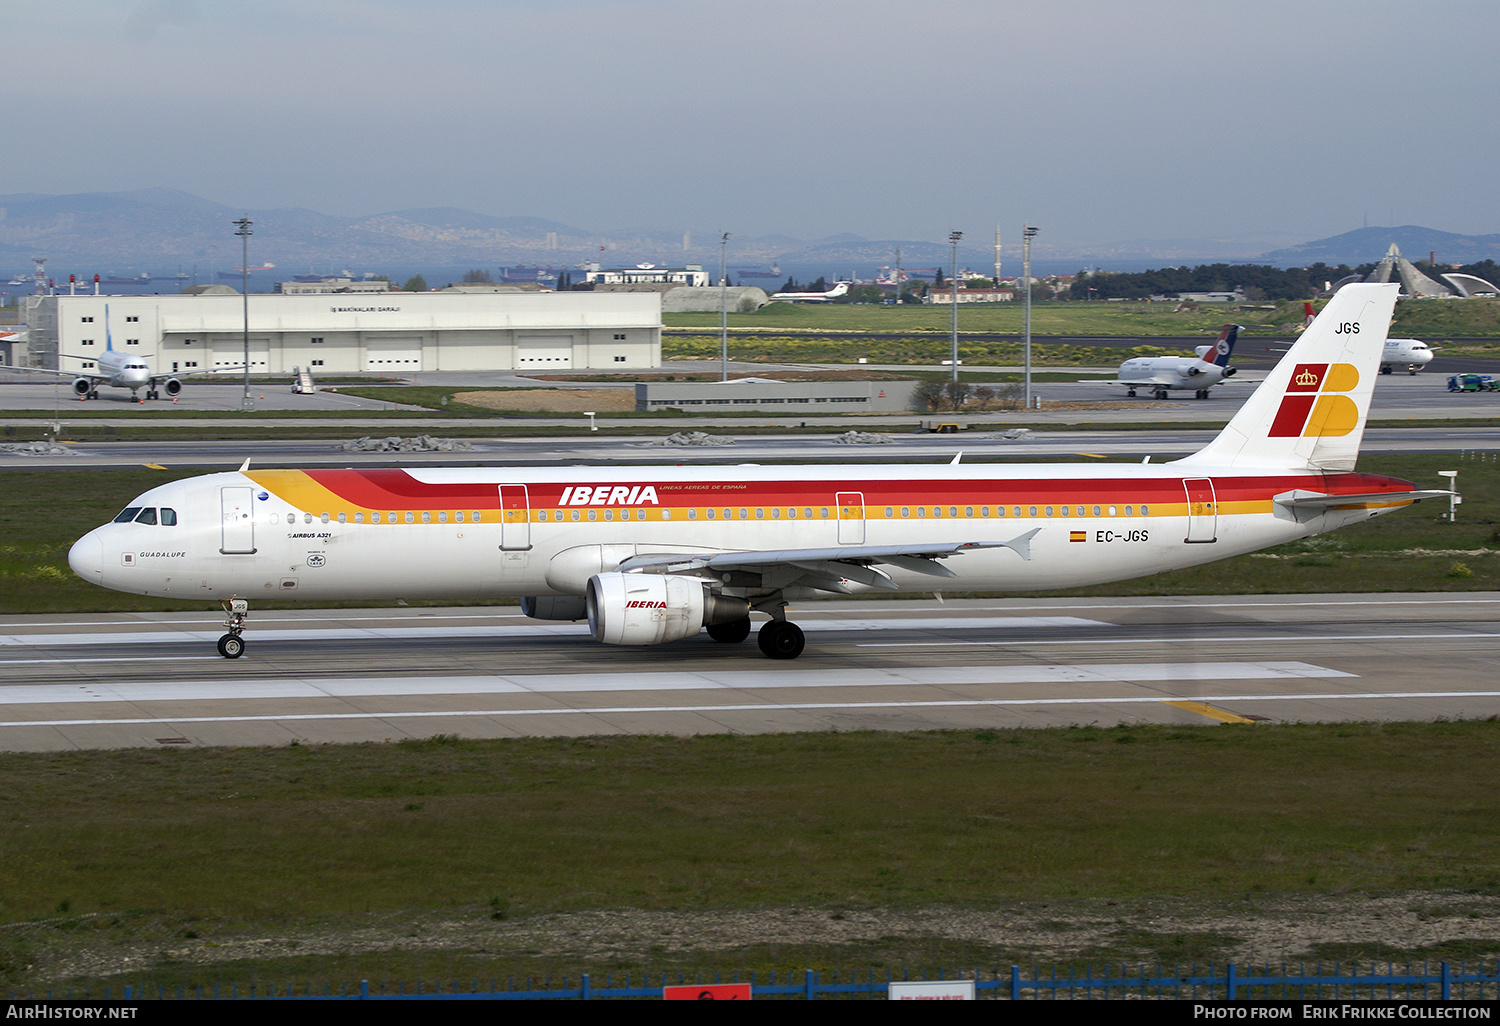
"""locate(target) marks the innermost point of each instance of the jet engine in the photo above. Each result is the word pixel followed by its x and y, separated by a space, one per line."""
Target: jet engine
pixel 82 386
pixel 554 607
pixel 172 386
pixel 648 609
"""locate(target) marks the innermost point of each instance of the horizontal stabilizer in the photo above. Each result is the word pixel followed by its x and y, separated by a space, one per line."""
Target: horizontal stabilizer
pixel 1300 499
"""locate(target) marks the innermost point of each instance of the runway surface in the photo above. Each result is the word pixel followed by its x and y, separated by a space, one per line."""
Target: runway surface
pixel 109 681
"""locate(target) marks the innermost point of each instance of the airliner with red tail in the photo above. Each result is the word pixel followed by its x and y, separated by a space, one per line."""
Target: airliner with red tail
pixel 654 554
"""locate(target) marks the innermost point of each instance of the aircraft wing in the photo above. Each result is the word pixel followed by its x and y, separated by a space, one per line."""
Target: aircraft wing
pixel 826 569
pixel 91 375
pixel 196 374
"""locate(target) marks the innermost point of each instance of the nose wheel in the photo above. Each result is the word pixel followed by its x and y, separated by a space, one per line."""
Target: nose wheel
pixel 231 645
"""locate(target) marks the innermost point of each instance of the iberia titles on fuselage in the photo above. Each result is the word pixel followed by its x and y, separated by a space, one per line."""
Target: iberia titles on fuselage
pixel 654 554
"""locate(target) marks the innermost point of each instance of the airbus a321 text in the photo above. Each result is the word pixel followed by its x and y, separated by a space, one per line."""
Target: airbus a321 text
pixel 1163 374
pixel 658 554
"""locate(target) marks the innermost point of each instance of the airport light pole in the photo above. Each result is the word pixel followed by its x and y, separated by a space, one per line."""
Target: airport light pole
pixel 244 232
pixel 953 238
pixel 1026 233
pixel 724 307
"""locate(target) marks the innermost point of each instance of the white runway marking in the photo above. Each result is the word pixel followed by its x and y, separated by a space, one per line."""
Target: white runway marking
pixel 1182 639
pixel 525 630
pixel 710 709
pixel 725 680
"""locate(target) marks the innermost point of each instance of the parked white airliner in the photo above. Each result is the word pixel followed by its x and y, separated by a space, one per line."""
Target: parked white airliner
pixel 119 370
pixel 840 288
pixel 652 554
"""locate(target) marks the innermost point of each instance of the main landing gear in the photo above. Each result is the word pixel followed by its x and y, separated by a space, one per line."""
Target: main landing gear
pixel 781 639
pixel 231 645
pixel 778 639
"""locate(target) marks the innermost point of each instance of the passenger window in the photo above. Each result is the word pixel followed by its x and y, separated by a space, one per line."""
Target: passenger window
pixel 147 516
pixel 127 514
pixel 343 518
pixel 168 516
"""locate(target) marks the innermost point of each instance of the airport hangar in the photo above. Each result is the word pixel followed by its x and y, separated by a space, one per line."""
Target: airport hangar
pixel 383 333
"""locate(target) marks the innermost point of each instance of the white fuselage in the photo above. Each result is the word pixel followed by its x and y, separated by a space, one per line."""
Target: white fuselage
pixel 1171 372
pixel 1405 352
pixel 455 533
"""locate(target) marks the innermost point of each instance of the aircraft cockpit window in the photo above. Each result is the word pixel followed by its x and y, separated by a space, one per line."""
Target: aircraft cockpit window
pixel 146 516
pixel 127 514
pixel 168 516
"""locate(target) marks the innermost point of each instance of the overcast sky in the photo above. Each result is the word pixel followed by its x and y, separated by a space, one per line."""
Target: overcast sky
pixel 1098 121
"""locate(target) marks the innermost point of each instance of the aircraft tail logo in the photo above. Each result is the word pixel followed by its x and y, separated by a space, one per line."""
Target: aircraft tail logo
pixel 1310 412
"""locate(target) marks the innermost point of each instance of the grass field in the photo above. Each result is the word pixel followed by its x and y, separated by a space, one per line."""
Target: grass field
pixel 156 866
pixel 1466 319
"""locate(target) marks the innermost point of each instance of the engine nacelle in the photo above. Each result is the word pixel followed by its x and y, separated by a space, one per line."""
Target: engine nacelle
pixel 1229 372
pixel 554 607
pixel 82 386
pixel 172 386
pixel 648 609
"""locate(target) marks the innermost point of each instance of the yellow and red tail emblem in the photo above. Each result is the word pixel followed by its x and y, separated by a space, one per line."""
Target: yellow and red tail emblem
pixel 1313 406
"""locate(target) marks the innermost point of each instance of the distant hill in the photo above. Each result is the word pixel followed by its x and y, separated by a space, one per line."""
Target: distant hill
pixel 166 230
pixel 1367 245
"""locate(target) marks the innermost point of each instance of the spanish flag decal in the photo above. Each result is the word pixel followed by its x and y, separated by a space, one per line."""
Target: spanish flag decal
pixel 1074 536
pixel 1312 406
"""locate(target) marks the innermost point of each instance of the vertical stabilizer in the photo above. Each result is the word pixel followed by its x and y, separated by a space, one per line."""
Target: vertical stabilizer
pixel 1310 412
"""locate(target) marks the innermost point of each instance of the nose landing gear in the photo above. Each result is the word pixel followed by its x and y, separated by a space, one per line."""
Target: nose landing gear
pixel 231 645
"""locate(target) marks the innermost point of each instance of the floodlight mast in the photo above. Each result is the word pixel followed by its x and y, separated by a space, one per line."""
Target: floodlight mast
pixel 953 238
pixel 244 232
pixel 1027 232
pixel 723 307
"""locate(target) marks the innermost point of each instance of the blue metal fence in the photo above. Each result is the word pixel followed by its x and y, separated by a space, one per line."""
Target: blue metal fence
pixel 1232 982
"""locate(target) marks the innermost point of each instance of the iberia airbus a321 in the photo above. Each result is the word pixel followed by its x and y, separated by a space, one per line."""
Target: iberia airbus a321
pixel 657 554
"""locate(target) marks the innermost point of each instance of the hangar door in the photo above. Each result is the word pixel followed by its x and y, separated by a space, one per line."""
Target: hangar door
pixel 230 352
pixel 544 352
pixel 393 354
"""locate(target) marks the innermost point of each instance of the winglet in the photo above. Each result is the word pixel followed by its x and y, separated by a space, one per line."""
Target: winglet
pixel 244 467
pixel 958 456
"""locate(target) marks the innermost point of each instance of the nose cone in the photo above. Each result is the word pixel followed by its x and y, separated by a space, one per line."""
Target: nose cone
pixel 86 557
